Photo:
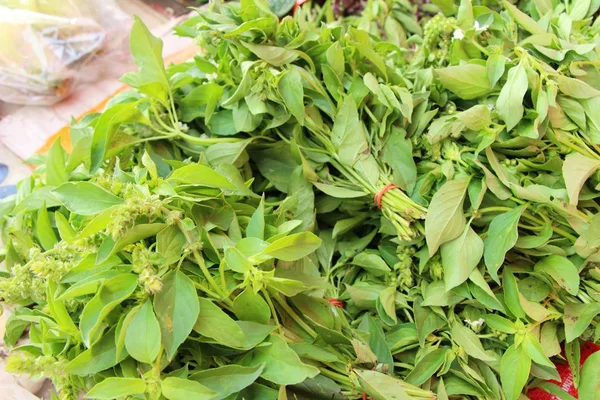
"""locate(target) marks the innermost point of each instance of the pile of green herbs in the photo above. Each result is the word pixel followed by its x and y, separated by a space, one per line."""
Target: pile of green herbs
pixel 213 233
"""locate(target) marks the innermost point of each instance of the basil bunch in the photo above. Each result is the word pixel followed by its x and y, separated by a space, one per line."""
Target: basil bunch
pixel 392 204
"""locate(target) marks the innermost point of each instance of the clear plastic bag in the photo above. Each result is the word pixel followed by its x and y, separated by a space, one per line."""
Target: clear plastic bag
pixel 47 47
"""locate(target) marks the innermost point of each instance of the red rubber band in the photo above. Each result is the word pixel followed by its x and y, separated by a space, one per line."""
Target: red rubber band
pixel 297 5
pixel 336 303
pixel 364 396
pixel 379 195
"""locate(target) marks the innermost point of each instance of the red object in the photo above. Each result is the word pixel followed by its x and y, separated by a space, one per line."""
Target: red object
pixel 336 303
pixel 298 4
pixel 379 195
pixel 566 375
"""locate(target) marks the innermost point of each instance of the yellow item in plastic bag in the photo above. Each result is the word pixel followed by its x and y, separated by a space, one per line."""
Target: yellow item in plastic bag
pixel 48 46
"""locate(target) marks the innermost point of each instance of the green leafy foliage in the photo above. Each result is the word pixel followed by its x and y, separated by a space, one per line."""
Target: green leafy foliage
pixel 391 204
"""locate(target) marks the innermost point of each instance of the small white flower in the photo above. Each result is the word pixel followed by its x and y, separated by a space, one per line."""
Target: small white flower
pixel 182 127
pixel 211 77
pixel 508 59
pixel 479 28
pixel 458 34
pixel 490 107
pixel 475 324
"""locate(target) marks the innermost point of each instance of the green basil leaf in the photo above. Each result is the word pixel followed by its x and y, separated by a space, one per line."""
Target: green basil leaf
pixel 348 135
pixel 169 244
pixel 142 339
pixel 177 308
pixel 184 389
pixel 535 351
pixel 293 247
pixel 112 293
pixel 256 226
pixel 589 387
pixel 65 230
pixel 85 198
pixel 445 220
pixel 426 367
pixel 101 356
pixel 468 340
pixel 214 323
pixel 112 388
pixel 576 88
pixel 56 173
pixel 147 54
pixel 292 93
pixel 495 66
pixel 510 100
pixel 106 127
pixel 525 21
pixel 460 257
pixel 511 294
pixel 201 175
pixel 250 306
pixel 501 324
pixel 139 232
pixel 227 380
pixel 577 318
pixel 561 270
pixel 467 81
pixel 502 236
pixel 282 364
pixel 44 231
pixel 514 371
pixel 381 386
pixel 398 154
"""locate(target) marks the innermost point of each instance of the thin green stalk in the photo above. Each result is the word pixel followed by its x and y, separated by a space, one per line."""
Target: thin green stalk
pixel 583 143
pixel 273 311
pixel 207 290
pixel 159 119
pixel 295 316
pixel 585 151
pixel 173 112
pixel 302 323
pixel 222 274
pixel 154 138
pixel 207 141
pixel 404 365
pixel 479 47
pixel 525 215
pixel 156 367
pixel 339 378
pixel 200 261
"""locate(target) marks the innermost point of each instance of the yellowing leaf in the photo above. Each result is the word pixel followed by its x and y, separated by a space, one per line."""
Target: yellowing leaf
pixel 576 169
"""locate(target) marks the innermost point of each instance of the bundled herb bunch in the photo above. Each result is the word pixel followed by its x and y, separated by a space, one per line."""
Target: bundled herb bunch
pixel 396 204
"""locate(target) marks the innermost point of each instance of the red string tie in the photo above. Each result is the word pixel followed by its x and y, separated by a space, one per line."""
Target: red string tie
pixel 379 195
pixel 297 5
pixel 336 303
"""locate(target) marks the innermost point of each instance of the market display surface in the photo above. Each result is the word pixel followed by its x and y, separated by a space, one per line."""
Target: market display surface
pixel 392 203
